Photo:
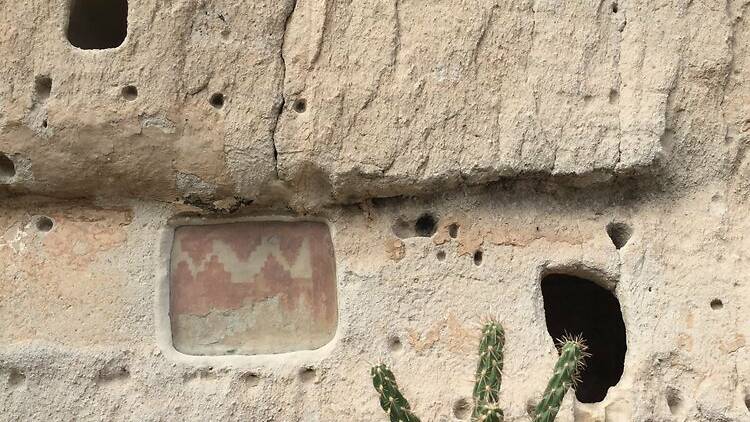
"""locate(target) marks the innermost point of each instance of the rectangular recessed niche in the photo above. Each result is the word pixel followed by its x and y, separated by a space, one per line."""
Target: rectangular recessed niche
pixel 97 24
pixel 251 288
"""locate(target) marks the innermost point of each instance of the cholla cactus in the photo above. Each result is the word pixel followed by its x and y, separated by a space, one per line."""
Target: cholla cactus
pixel 391 399
pixel 488 413
pixel 567 369
pixel 489 377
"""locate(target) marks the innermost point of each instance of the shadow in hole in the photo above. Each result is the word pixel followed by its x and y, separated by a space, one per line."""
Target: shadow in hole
pixel 572 306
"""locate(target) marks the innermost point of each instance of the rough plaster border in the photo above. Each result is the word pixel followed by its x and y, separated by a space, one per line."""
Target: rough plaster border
pixel 288 360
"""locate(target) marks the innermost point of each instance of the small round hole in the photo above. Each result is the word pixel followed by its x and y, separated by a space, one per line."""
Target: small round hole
pixel 42 87
pixel 478 256
pixel 217 100
pixel 674 400
pixel 44 123
pixel 129 92
pixel 614 7
pixel 425 225
pixel 300 105
pixel 250 378
pixel 44 224
pixel 394 344
pixel 717 304
pixel 461 409
pixel 7 168
pixel 619 233
pixel 453 230
pixel 440 255
pixel 307 375
pixel 16 377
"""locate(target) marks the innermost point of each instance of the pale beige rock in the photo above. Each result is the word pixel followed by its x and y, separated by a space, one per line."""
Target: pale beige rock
pixel 532 124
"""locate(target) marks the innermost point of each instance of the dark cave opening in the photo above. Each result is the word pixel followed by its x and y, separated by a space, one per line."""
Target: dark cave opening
pixel 576 306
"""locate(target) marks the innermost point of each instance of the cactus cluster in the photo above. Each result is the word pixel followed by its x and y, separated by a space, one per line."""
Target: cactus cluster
pixel 488 379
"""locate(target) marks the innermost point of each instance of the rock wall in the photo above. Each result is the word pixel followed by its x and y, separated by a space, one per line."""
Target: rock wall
pixel 458 153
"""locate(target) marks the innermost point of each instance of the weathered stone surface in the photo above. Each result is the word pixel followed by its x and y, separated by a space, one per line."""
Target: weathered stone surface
pixel 86 139
pixel 80 326
pixel 252 288
pixel 399 96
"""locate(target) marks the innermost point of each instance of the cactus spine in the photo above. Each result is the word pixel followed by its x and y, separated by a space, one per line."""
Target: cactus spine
pixel 569 364
pixel 391 399
pixel 489 377
pixel 489 413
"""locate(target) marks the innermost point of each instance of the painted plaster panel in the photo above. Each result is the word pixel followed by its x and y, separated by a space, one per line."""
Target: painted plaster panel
pixel 252 288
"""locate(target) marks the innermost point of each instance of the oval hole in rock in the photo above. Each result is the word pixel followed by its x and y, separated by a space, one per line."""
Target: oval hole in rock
pixel 576 306
pixel 440 255
pixel 674 400
pixel 129 92
pixel 44 224
pixel 7 168
pixel 619 233
pixel 42 87
pixel 307 375
pixel 747 398
pixel 250 378
pixel 717 304
pixel 300 105
pixel 478 256
pixel 425 226
pixel 453 230
pixel 461 409
pixel 217 100
pixel 394 344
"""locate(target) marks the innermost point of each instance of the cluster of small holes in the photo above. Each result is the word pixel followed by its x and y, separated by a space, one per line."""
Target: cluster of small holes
pixel 717 304
pixel 7 168
pixel 217 100
pixel 129 92
pixel 461 409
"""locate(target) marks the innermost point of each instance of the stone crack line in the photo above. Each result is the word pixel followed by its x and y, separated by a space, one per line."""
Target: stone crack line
pixel 281 101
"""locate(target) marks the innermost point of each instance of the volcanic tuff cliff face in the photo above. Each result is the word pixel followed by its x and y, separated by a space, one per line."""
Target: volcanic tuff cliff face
pixel 459 152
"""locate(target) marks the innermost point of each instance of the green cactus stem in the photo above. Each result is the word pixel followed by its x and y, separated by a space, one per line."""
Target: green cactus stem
pixel 391 399
pixel 489 413
pixel 568 367
pixel 489 377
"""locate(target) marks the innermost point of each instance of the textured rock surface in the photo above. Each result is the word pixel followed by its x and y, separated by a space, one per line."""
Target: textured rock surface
pixel 534 124
pixel 398 96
